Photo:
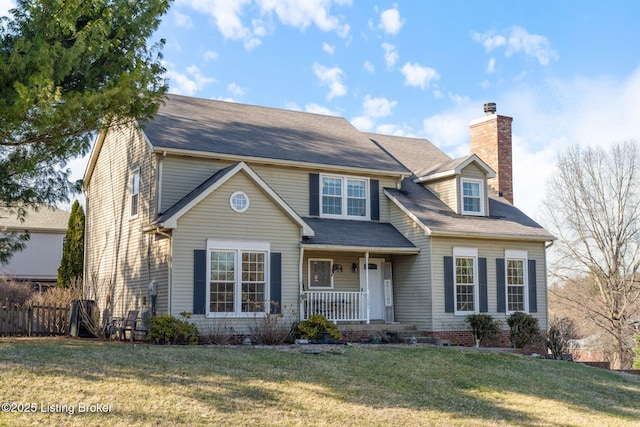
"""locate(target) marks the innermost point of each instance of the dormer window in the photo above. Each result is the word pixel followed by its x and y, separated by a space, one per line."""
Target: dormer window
pixel 472 196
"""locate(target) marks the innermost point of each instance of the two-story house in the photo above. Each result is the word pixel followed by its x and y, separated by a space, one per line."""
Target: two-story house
pixel 229 211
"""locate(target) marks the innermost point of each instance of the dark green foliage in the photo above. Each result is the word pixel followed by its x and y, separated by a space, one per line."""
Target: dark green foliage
pixel 483 326
pixel 69 69
pixel 165 329
pixel 71 265
pixel 524 329
pixel 312 328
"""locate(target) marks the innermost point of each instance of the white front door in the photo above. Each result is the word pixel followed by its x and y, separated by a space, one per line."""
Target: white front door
pixel 376 289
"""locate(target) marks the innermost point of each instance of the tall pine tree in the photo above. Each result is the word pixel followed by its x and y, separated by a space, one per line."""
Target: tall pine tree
pixel 72 263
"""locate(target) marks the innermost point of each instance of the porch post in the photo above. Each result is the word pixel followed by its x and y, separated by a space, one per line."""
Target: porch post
pixel 300 300
pixel 366 281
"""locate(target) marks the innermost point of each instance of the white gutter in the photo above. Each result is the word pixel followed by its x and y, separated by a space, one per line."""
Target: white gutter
pixel 366 281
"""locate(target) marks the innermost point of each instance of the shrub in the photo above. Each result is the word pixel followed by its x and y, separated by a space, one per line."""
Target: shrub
pixel 14 291
pixel 483 326
pixel 523 329
pixel 560 333
pixel 312 328
pixel 166 329
pixel 272 329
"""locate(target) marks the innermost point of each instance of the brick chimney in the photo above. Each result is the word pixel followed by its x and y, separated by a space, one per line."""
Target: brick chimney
pixel 491 141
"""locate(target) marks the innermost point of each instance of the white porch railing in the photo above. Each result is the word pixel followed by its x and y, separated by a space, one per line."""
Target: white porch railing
pixel 335 306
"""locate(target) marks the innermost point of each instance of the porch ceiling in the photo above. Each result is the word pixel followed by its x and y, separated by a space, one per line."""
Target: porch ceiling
pixel 345 235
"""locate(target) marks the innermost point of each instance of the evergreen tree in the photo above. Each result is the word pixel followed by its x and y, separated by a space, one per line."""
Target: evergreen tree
pixel 69 69
pixel 72 263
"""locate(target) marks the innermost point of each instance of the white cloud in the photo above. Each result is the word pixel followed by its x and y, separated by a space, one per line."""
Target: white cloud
pixel 301 14
pixel 378 107
pixel 210 55
pixel 331 77
pixel 363 123
pixel 319 109
pixel 229 17
pixel 390 54
pixel 418 75
pixel 6 6
pixel 236 90
pixel 186 84
pixel 390 21
pixel 369 67
pixel 518 40
pixel 491 67
pixel 328 48
pixel 182 20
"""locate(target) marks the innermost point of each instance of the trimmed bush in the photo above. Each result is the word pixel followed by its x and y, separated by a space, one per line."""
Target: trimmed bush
pixel 165 329
pixel 482 326
pixel 523 329
pixel 312 328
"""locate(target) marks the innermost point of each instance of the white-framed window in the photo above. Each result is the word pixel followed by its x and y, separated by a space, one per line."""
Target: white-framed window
pixel 135 193
pixel 465 261
pixel 239 201
pixel 344 197
pixel 237 278
pixel 320 273
pixel 516 275
pixel 472 196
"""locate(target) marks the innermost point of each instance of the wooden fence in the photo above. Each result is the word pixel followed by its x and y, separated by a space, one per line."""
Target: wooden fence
pixel 36 320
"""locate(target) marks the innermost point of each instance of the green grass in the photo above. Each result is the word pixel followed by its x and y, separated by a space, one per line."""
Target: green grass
pixel 385 385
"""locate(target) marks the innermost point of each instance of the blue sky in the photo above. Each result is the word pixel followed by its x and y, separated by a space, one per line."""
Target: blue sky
pixel 568 72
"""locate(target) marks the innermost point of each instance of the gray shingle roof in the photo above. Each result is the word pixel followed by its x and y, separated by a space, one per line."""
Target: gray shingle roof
pixel 247 130
pixel 505 220
pixel 46 218
pixel 192 195
pixel 415 153
pixel 361 234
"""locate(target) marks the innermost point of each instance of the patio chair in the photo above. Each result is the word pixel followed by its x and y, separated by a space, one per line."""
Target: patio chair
pixel 128 324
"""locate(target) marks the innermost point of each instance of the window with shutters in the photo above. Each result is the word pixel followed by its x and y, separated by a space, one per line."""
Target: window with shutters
pixel 344 197
pixel 237 278
pixel 465 261
pixel 516 280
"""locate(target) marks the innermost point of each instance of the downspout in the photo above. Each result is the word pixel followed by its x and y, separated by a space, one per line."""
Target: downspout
pixel 366 281
pixel 399 183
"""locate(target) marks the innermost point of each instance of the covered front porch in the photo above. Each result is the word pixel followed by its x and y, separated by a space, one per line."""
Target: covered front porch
pixel 346 270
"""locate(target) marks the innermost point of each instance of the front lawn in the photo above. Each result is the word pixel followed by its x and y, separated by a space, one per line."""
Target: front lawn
pixel 76 382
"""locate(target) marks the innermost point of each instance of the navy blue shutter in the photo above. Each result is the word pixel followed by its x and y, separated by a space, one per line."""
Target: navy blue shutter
pixel 375 199
pixel 449 298
pixel 533 301
pixel 314 194
pixel 482 281
pixel 199 281
pixel 275 280
pixel 501 286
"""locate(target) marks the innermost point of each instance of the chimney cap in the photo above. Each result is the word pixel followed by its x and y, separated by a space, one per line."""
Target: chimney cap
pixel 490 108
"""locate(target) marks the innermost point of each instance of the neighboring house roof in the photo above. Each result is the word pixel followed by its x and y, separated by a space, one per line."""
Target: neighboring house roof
pixel 169 218
pixel 415 153
pixel 249 132
pixel 437 219
pixel 452 167
pixel 45 219
pixel 336 234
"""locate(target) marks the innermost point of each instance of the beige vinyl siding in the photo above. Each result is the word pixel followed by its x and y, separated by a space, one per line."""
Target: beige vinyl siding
pixel 345 281
pixel 181 174
pixel 116 248
pixel 446 190
pixel 213 218
pixel 412 274
pixel 491 250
